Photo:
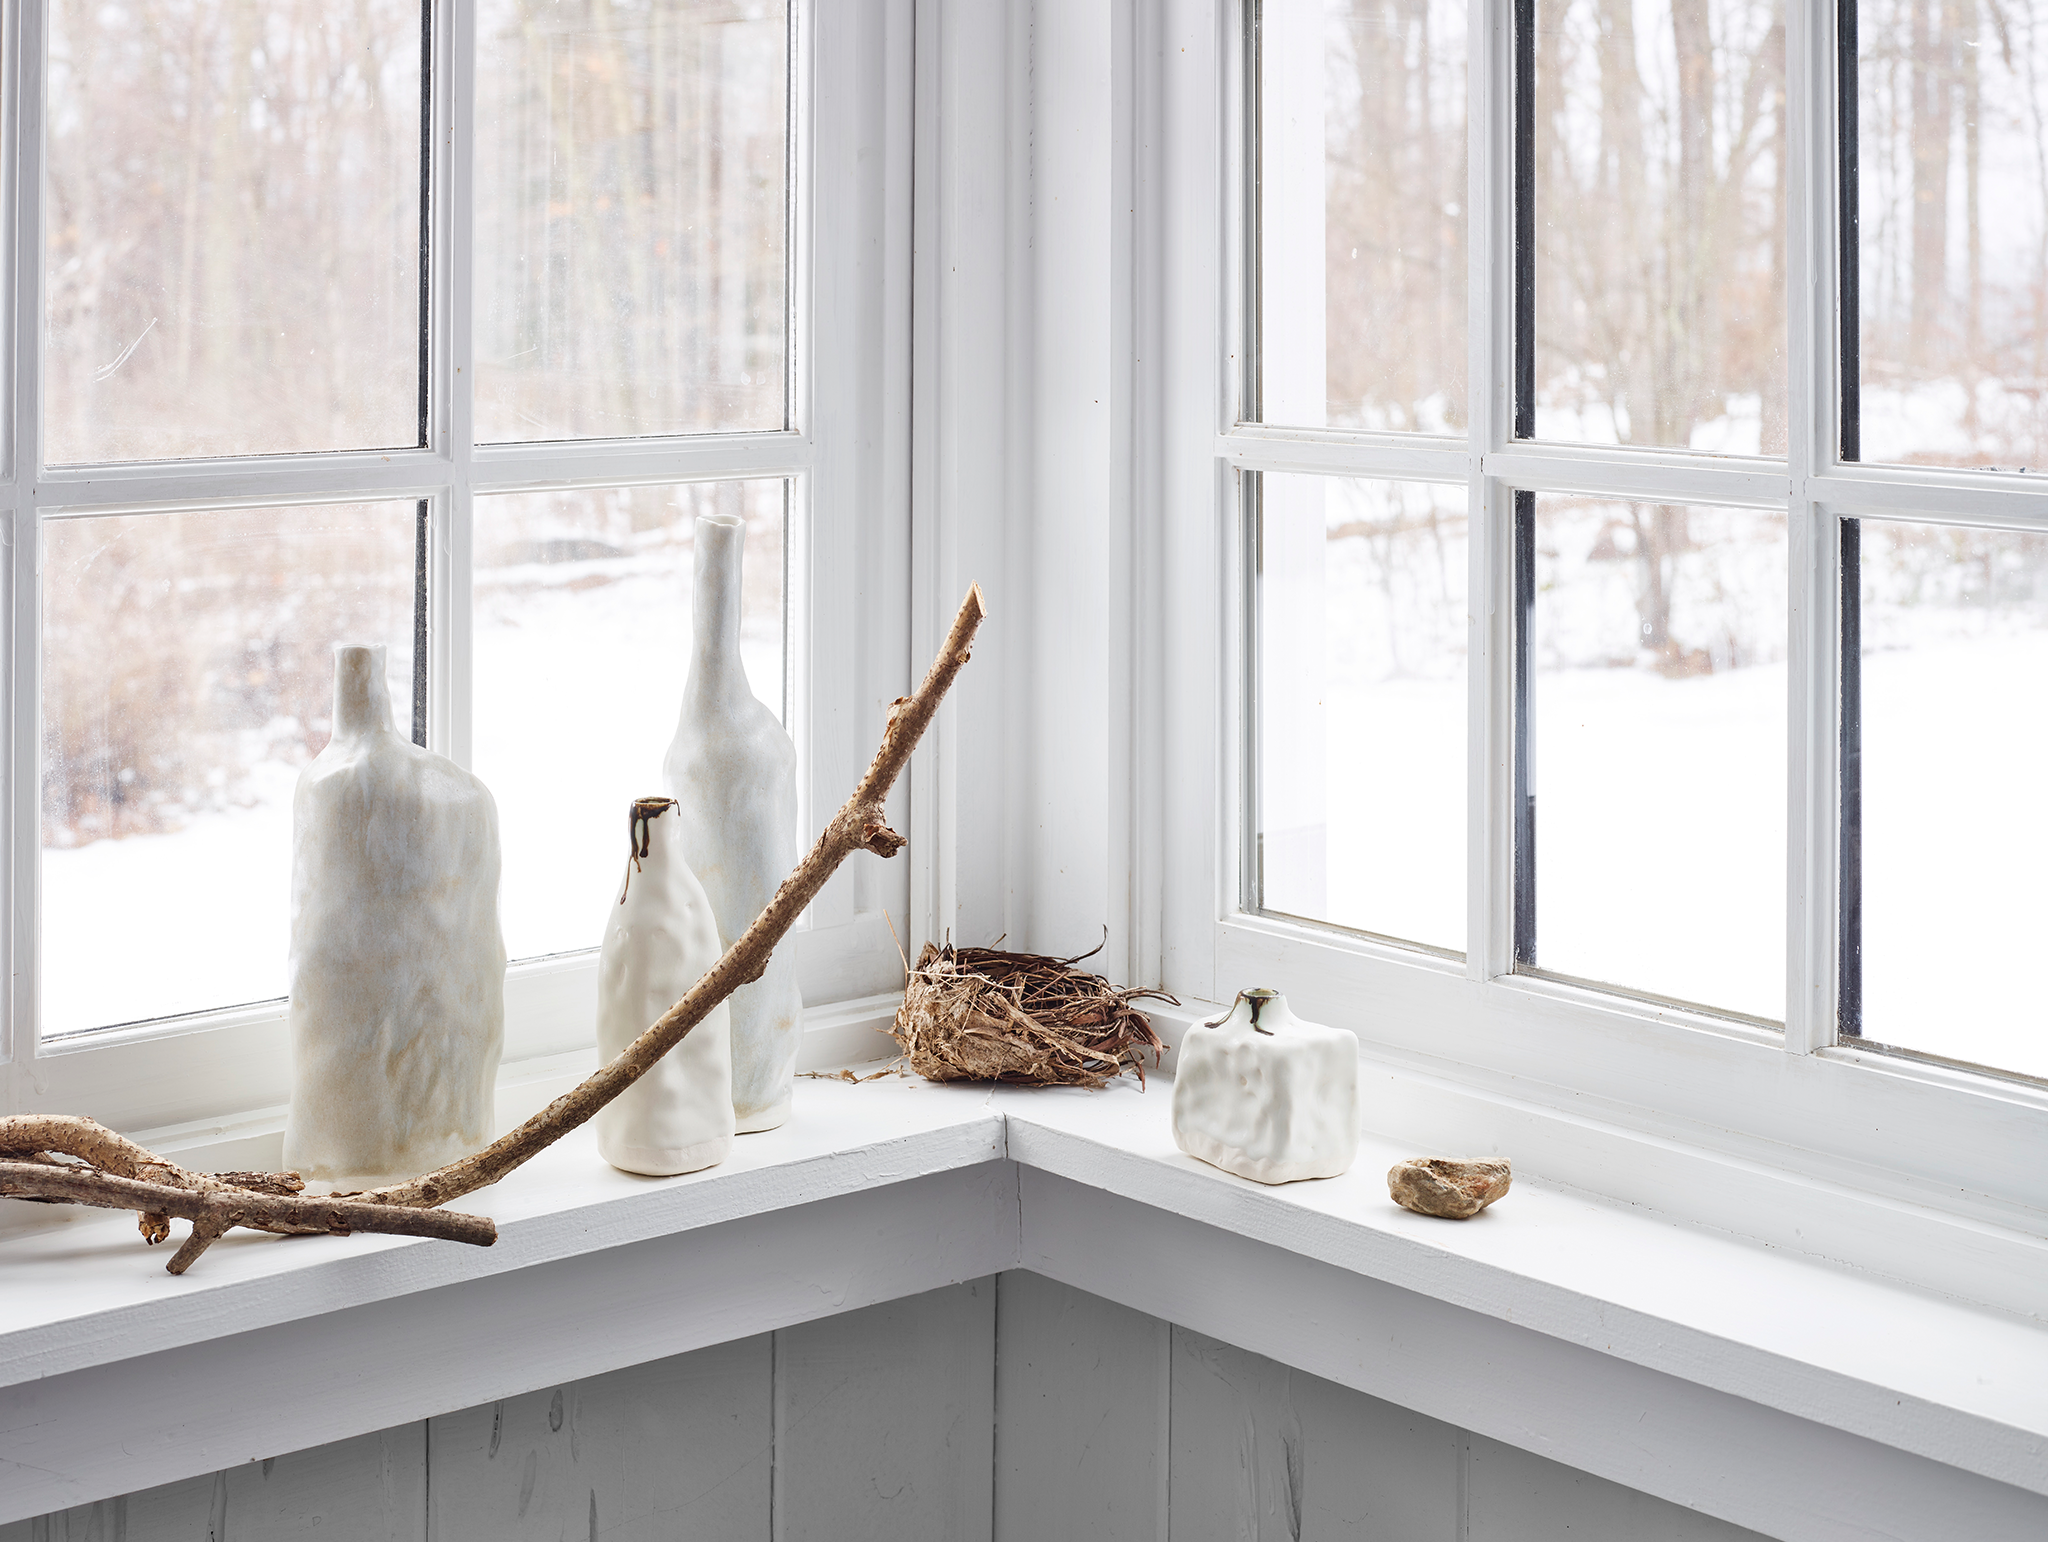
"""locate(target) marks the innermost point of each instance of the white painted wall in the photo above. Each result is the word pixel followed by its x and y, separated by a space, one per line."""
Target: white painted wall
pixel 1006 1409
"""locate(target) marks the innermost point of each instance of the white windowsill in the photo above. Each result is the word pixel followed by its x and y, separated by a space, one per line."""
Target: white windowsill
pixel 1913 1371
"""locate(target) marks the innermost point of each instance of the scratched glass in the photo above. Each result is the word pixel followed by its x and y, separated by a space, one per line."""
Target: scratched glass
pixel 232 228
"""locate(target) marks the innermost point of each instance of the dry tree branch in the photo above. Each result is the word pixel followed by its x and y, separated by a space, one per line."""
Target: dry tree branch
pixel 110 1171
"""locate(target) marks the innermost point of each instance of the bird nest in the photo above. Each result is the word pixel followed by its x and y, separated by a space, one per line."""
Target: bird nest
pixel 980 1014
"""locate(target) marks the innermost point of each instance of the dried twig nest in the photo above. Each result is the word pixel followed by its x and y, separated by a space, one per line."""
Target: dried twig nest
pixel 980 1014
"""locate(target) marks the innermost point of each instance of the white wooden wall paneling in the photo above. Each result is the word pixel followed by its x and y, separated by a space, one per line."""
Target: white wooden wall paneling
pixel 885 1421
pixel 1706 1450
pixel 371 1488
pixel 1514 1496
pixel 1081 1416
pixel 78 1437
pixel 1266 1453
pixel 883 1424
pixel 873 1425
pixel 679 1447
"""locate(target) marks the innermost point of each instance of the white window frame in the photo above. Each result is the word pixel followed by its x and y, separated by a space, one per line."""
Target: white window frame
pixel 1823 1114
pixel 845 454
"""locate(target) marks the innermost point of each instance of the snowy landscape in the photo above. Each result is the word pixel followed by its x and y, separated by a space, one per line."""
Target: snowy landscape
pixel 582 646
pixel 1661 791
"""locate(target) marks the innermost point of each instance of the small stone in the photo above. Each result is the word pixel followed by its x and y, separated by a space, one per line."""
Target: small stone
pixel 1447 1187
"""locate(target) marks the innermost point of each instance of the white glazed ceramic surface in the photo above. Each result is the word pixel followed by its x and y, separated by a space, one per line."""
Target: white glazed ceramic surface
pixel 1267 1096
pixel 659 941
pixel 732 772
pixel 397 964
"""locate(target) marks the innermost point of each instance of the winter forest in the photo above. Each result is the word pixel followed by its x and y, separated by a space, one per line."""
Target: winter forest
pixel 1657 642
pixel 234 266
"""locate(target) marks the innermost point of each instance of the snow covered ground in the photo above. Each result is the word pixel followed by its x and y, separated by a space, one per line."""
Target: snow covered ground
pixel 579 669
pixel 1660 807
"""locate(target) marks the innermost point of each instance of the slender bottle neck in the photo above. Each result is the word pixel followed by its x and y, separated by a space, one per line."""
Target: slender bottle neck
pixel 715 610
pixel 652 829
pixel 362 698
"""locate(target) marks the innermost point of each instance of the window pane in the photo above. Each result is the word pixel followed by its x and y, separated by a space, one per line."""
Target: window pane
pixel 233 227
pixel 1362 213
pixel 1657 681
pixel 1955 834
pixel 583 628
pixel 188 675
pixel 631 224
pixel 1952 194
pixel 1361 705
pixel 1660 223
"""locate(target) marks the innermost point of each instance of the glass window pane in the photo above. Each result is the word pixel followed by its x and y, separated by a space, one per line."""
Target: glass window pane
pixel 631 217
pixel 582 646
pixel 1362 213
pixel 1955 834
pixel 188 675
pixel 1659 163
pixel 233 228
pixel 1361 705
pixel 1657 717
pixel 1952 195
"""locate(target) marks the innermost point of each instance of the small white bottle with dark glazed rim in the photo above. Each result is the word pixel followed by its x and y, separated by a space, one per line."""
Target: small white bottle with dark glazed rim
pixel 1260 1093
pixel 660 939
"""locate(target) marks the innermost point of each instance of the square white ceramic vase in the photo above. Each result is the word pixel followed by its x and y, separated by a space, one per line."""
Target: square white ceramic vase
pixel 1262 1094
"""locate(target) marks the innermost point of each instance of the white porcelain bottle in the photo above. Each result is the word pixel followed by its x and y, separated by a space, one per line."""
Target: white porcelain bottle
pixel 397 963
pixel 1265 1095
pixel 660 940
pixel 732 771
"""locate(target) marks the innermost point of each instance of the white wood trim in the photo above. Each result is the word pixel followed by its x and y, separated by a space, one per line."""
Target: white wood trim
pixel 1603 1335
pixel 1562 1398
pixel 1490 352
pixel 1674 476
pixel 1996 500
pixel 21 136
pixel 1915 1133
pixel 408 1354
pixel 1811 815
pixel 1253 447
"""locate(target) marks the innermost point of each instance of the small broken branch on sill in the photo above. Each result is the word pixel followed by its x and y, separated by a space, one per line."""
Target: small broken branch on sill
pixel 64 1159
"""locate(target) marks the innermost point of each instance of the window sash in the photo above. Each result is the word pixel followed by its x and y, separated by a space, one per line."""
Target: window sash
pixel 1794 1101
pixel 169 1070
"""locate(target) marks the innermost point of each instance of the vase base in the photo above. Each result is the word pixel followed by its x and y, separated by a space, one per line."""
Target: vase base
pixel 666 1161
pixel 1260 1169
pixel 772 1117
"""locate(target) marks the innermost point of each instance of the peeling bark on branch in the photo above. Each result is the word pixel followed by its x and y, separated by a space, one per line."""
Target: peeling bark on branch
pixel 112 1172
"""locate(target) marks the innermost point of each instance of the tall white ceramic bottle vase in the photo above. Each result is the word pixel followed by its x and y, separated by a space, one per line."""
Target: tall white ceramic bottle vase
pixel 397 963
pixel 732 772
pixel 660 940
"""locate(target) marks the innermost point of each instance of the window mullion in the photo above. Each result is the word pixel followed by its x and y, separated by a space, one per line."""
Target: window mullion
pixel 1813 653
pixel 451 519
pixel 24 130
pixel 1489 846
